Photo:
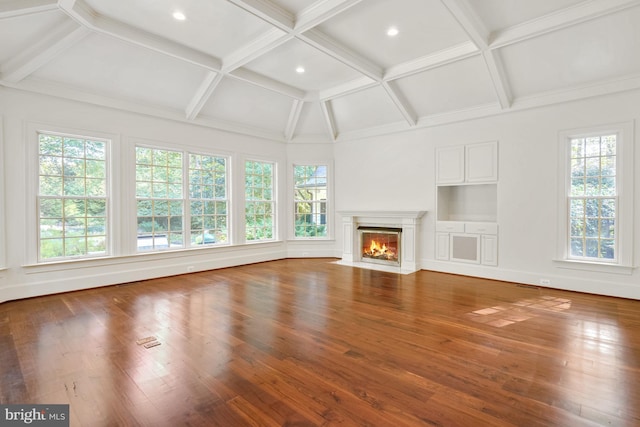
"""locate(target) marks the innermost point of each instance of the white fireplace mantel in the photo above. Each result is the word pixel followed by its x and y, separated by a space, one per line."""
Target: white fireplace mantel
pixel 409 221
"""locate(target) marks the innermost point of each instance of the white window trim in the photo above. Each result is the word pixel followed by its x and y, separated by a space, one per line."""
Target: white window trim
pixel 291 203
pixel 3 220
pixel 186 150
pixel 624 185
pixel 187 215
pixel 276 200
pixel 32 169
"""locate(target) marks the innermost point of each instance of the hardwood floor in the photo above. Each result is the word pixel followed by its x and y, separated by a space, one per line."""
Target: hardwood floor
pixel 309 342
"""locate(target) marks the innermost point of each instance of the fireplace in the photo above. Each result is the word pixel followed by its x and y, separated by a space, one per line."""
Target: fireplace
pixel 381 240
pixel 380 245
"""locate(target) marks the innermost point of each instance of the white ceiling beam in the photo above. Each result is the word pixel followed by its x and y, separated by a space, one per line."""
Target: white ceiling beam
pixel 581 12
pixel 292 121
pixel 469 21
pixel 347 88
pixel 11 9
pixel 31 59
pixel 82 13
pixel 478 33
pixel 401 103
pixel 327 114
pixel 267 83
pixel 268 12
pixel 437 59
pixel 202 95
pixel 498 77
pixel 263 44
pixel 320 12
pixel 325 44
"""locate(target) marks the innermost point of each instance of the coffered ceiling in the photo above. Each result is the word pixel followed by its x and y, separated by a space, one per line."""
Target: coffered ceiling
pixel 235 64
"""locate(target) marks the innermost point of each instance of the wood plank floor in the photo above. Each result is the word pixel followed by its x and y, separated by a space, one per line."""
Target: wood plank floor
pixel 310 343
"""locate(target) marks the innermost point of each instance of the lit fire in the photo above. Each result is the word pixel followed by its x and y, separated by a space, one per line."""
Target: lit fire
pixel 377 250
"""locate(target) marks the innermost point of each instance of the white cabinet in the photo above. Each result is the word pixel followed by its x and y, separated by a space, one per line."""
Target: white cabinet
pixel 467 203
pixel 489 249
pixel 442 246
pixel 481 162
pixel 470 242
pixel 471 163
pixel 450 165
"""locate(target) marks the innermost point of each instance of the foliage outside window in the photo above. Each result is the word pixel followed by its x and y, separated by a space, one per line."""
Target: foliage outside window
pixel 159 194
pixel 593 198
pixel 72 197
pixel 208 199
pixel 310 200
pixel 259 201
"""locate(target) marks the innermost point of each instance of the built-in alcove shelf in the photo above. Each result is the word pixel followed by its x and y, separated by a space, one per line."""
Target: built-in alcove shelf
pixel 477 202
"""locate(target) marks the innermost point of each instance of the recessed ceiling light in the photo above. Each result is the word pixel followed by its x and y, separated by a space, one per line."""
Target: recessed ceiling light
pixel 392 32
pixel 300 70
pixel 179 15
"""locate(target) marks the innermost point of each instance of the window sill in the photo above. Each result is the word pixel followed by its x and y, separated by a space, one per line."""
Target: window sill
pixel 79 263
pixel 594 266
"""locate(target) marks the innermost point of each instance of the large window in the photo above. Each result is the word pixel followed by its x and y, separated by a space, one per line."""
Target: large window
pixel 159 193
pixel 310 201
pixel 166 218
pixel 593 197
pixel 596 205
pixel 73 199
pixel 208 199
pixel 259 201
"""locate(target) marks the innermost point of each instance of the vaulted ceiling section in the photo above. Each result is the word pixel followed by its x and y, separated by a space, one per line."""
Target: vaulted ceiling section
pixel 235 64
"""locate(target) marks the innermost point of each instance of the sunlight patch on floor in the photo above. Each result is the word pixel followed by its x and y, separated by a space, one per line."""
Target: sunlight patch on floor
pixel 519 311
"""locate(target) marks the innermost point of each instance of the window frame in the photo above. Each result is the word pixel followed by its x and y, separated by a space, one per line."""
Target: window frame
pixel 227 198
pixel 274 199
pixel 153 200
pixel 624 199
pixel 32 232
pixel 328 201
pixel 186 195
pixel 3 239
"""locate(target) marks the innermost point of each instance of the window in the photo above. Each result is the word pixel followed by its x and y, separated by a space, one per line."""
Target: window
pixel 310 201
pixel 159 194
pixel 73 200
pixel 596 203
pixel 259 201
pixel 593 197
pixel 208 199
pixel 164 215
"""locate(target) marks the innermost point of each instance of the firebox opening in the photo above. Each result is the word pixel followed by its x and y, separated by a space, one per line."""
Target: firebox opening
pixel 380 245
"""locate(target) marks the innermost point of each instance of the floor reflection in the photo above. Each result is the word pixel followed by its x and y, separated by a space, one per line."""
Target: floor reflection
pixel 519 311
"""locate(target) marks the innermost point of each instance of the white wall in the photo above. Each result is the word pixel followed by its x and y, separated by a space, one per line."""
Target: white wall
pixel 20 278
pixel 397 172
pixel 393 172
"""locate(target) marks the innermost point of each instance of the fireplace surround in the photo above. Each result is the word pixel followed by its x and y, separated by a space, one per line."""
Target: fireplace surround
pixel 396 231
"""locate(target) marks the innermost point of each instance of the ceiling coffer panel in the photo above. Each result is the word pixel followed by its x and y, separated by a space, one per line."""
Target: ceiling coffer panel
pixel 302 66
pixel 424 27
pixel 215 27
pixel 239 102
pixel 237 65
pixel 456 86
pixel 364 109
pixel 587 53
pixel 106 66
pixel 21 32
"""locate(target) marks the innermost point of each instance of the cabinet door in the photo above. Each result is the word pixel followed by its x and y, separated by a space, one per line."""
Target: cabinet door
pixel 465 248
pixel 442 246
pixel 450 165
pixel 481 162
pixel 489 249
